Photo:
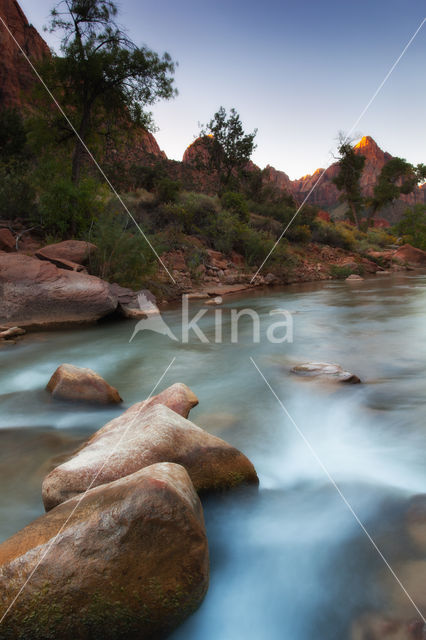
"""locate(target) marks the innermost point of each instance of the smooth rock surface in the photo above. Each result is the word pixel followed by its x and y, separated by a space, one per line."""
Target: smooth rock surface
pixel 137 439
pixel 81 384
pixel 35 293
pixel 74 251
pixel 325 370
pixel 130 562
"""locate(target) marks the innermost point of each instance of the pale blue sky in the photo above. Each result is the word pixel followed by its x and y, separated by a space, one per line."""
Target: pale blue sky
pixel 299 72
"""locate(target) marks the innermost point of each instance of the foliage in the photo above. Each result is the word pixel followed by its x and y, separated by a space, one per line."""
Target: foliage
pixel 167 190
pixel 102 75
pixel 351 165
pixel 13 137
pixel 342 272
pixel 231 147
pixel 123 255
pixel 17 195
pixel 236 203
pixel 64 208
pixel 412 227
pixel 299 233
pixel 336 235
pixel 397 177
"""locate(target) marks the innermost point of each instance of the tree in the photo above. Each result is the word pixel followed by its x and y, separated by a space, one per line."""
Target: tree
pixel 397 177
pixel 230 148
pixel 101 71
pixel 412 227
pixel 351 165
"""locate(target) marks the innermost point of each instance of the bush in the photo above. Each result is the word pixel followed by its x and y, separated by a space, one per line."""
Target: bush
pixel 336 235
pixel 167 190
pixel 235 203
pixel 299 233
pixel 341 272
pixel 69 210
pixel 17 195
pixel 123 255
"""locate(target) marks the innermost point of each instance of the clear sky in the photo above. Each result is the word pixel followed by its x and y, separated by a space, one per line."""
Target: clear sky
pixel 298 71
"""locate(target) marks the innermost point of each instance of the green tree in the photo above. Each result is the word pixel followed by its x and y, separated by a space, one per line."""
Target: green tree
pixel 101 71
pixel 412 227
pixel 230 148
pixel 397 177
pixel 351 165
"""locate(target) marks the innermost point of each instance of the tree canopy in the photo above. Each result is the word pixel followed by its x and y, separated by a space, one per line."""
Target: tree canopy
pixel 351 165
pixel 101 72
pixel 230 148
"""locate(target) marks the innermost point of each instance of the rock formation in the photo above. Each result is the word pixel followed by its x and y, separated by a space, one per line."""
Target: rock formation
pixel 81 384
pixel 16 76
pixel 129 561
pixel 136 440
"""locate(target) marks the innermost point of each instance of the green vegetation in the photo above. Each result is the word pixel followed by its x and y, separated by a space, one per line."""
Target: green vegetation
pixel 351 165
pixel 412 227
pixel 230 148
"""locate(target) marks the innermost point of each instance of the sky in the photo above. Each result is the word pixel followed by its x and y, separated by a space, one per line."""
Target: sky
pixel 299 72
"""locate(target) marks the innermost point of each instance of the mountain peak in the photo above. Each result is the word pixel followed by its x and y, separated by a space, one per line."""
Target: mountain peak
pixel 367 142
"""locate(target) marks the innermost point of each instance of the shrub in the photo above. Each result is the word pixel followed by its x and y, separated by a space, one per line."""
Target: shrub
pixel 336 235
pixel 67 209
pixel 123 255
pixel 17 195
pixel 341 272
pixel 235 203
pixel 299 233
pixel 167 190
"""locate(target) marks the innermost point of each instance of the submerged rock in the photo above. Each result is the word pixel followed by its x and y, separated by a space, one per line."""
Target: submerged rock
pixel 129 561
pixel 325 370
pixel 354 278
pixel 378 626
pixel 139 438
pixel 38 294
pixel 81 384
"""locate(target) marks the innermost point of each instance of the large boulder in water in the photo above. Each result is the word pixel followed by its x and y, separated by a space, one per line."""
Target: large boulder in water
pixel 129 560
pixel 38 294
pixel 325 370
pixel 81 384
pixel 138 439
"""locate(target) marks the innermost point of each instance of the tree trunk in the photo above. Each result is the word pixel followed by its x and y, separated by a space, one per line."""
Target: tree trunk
pixel 355 215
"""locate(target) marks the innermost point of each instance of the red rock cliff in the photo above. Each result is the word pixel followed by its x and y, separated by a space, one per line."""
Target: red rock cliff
pixel 16 76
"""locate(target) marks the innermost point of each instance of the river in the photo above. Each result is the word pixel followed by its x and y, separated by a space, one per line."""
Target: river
pixel 290 561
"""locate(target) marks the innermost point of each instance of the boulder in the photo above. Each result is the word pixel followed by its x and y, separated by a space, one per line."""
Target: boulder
pixel 134 304
pixel 13 332
pixel 129 560
pixel 333 372
pixel 354 278
pixel 38 294
pixel 410 255
pixel 75 251
pixel 81 384
pixel 136 440
pixel 7 240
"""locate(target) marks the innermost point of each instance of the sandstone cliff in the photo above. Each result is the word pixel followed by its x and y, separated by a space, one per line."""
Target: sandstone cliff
pixel 16 76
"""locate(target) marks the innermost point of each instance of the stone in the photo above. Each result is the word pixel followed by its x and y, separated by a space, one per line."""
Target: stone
pixel 333 372
pixel 7 240
pixel 410 255
pixel 137 439
pixel 129 560
pixel 80 384
pixel 354 278
pixel 35 293
pixel 77 251
pixel 13 332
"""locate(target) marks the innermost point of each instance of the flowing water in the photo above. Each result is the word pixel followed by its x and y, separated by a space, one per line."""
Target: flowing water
pixel 290 561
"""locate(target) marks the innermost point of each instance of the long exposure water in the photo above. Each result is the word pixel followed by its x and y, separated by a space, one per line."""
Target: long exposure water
pixel 289 561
